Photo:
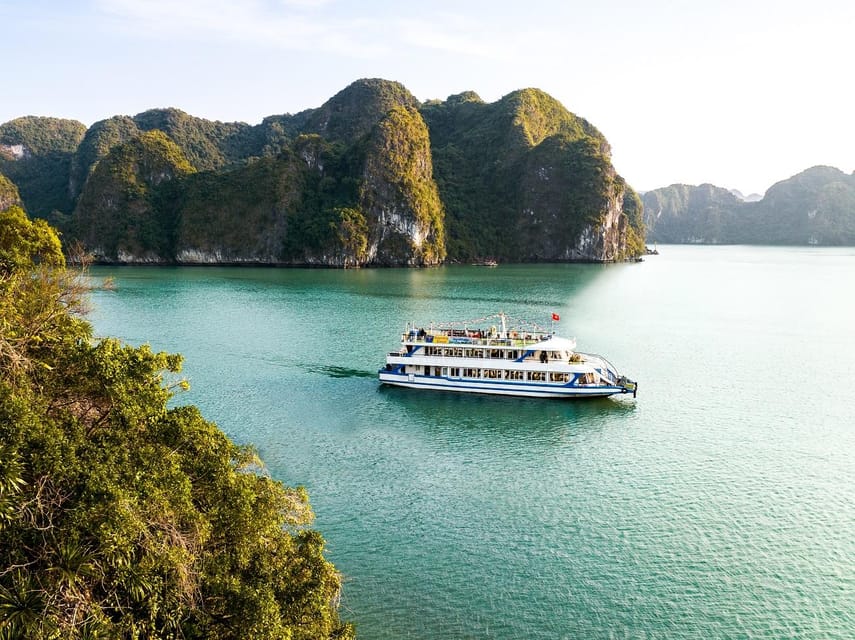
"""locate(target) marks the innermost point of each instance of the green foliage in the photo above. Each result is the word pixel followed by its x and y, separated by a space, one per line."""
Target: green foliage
pixel 356 109
pixel 351 232
pixel 9 195
pixel 124 207
pixel 40 136
pixel 633 211
pixel 41 173
pixel 520 178
pixel 25 243
pixel 242 215
pixel 206 144
pixel 121 517
pixel 96 144
pixel 536 115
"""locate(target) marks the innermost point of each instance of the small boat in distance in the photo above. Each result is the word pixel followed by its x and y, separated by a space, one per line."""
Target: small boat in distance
pixel 487 262
pixel 496 355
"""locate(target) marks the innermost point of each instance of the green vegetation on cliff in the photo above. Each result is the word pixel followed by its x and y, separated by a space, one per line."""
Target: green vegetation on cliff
pixel 37 158
pixel 123 517
pixel 356 109
pixel 398 191
pixel 125 207
pixel 9 195
pixel 370 177
pixel 207 144
pixel 96 144
pixel 522 178
pixel 338 201
pixel 239 216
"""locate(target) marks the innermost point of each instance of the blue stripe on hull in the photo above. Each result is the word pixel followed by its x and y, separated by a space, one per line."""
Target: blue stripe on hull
pixel 527 389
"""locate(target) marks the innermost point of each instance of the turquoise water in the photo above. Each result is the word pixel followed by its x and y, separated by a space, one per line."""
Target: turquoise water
pixel 718 504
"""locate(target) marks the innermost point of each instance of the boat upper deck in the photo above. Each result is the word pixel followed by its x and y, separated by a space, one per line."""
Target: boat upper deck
pixel 476 338
pixel 492 331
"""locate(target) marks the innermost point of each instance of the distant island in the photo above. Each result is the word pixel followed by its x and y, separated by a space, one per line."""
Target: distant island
pixel 814 207
pixel 371 177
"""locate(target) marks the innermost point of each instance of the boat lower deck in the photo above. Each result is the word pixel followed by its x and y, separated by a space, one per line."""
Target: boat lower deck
pixel 503 387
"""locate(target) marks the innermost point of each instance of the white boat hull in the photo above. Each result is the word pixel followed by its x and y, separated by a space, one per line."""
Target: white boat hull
pixel 502 388
pixel 521 360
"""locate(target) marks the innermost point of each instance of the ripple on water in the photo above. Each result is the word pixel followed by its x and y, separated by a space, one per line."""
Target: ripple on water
pixel 718 504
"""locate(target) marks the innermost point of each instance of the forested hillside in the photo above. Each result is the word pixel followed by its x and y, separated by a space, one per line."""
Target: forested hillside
pixel 523 179
pixel 814 207
pixel 371 177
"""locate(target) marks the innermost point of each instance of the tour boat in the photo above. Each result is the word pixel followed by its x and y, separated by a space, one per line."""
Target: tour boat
pixel 495 355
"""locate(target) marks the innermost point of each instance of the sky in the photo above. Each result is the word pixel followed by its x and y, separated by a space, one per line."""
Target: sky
pixel 737 93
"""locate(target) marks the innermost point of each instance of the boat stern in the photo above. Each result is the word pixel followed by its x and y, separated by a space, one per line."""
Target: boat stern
pixel 628 386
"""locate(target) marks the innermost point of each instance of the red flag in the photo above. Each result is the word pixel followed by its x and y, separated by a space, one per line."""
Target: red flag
pixel 555 316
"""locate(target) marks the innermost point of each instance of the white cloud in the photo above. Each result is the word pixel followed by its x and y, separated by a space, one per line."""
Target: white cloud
pixel 450 34
pixel 287 24
pixel 251 22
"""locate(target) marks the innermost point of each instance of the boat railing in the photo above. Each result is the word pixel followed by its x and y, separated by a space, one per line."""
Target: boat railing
pixel 475 340
pixel 609 368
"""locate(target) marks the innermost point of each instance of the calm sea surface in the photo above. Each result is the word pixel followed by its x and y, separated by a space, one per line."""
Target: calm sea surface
pixel 718 504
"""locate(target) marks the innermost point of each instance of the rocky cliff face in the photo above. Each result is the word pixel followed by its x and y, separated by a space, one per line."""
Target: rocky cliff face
pixel 573 204
pixel 398 193
pixel 364 196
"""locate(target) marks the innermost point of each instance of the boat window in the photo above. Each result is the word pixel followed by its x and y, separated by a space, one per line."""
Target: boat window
pixel 493 374
pixel 536 375
pixel 558 377
pixel 471 373
pixel 514 375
